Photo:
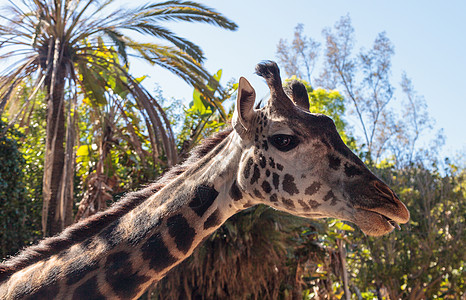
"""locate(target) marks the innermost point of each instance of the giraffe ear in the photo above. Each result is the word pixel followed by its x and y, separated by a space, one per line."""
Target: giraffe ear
pixel 298 94
pixel 244 112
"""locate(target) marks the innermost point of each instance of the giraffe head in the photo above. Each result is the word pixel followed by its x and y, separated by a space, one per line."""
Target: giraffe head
pixel 295 161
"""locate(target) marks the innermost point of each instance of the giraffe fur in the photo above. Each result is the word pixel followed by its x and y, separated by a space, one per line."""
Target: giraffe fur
pixel 281 155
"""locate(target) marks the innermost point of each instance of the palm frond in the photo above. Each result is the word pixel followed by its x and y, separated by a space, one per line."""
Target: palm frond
pixel 14 28
pixel 76 16
pixel 37 86
pixel 13 79
pixel 183 11
pixel 146 101
pixel 16 11
pixel 158 31
pixel 120 43
pixel 177 62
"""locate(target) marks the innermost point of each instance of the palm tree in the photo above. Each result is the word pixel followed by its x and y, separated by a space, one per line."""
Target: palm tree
pixel 65 46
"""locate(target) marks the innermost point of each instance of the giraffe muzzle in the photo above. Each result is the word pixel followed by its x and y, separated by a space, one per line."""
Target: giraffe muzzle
pixel 378 209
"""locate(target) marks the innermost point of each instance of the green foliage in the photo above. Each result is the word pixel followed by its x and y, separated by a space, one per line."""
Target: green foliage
pixel 32 145
pixel 114 140
pixel 425 260
pixel 17 224
pixel 205 115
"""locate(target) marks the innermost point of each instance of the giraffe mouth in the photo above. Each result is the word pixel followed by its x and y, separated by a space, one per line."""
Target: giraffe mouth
pixel 391 222
pixel 377 222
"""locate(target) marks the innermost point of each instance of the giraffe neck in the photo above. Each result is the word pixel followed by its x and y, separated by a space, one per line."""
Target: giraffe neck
pixel 138 249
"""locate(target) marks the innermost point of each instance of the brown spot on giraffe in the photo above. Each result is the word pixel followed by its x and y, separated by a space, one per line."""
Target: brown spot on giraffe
pixel 258 194
pixel 247 169
pixel 289 185
pixel 331 196
pixel 156 252
pixel 313 204
pixel 247 205
pixel 334 161
pixel 235 192
pixel 313 188
pixel 111 235
pixel 271 163
pixel 304 205
pixel 351 170
pixel 181 231
pixel 205 196
pixel 288 203
pixel 88 290
pixel 262 161
pixel 147 223
pixel 256 175
pixel 121 276
pixel 265 145
pixel 275 180
pixel 213 220
pixel 266 187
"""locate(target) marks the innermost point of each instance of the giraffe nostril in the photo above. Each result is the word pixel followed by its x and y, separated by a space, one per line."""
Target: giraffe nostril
pixel 383 189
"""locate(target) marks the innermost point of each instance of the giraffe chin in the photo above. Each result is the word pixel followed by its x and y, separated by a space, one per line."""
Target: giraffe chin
pixel 373 223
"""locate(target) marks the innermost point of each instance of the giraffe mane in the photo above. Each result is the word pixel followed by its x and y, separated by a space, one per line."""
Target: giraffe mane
pixel 90 226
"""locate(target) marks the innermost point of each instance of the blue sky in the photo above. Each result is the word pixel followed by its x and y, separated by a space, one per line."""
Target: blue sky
pixel 429 39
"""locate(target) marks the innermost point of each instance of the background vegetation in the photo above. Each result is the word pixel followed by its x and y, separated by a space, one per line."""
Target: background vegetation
pixel 125 136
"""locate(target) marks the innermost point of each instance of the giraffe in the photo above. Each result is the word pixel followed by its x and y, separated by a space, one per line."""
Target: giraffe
pixel 280 155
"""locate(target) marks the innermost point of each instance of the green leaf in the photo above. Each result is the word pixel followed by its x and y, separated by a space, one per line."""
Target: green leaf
pixel 94 85
pixel 120 88
pixel 218 75
pixel 343 226
pixel 140 79
pixel 83 150
pixel 198 104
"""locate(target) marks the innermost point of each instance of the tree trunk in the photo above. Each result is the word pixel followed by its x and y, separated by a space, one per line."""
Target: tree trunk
pixel 67 184
pixel 344 271
pixel 52 221
pixel 297 292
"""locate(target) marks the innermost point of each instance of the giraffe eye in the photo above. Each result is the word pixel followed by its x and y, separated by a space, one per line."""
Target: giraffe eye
pixel 284 142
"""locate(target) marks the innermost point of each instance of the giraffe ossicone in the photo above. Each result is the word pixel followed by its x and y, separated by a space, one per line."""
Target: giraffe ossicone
pixel 281 155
